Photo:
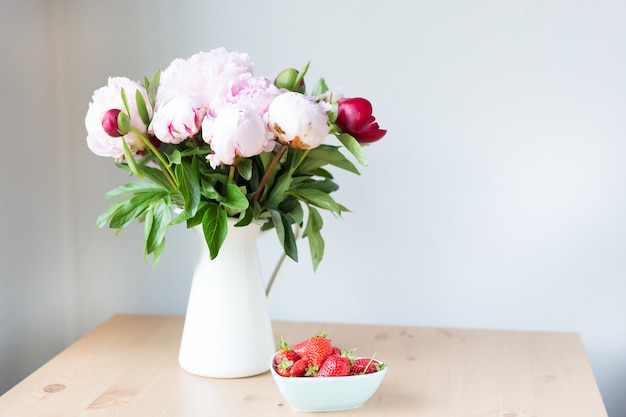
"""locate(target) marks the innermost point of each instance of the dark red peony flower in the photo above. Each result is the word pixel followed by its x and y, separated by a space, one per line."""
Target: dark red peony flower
pixel 354 116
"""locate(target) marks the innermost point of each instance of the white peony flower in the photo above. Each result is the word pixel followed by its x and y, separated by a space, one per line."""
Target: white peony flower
pixel 298 120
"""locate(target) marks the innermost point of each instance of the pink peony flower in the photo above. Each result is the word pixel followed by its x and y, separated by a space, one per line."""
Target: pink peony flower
pixel 178 119
pixel 107 98
pixel 236 131
pixel 354 116
pixel 246 90
pixel 298 120
pixel 201 75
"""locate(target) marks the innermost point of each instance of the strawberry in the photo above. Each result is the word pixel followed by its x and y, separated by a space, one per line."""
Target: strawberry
pixel 285 352
pixel 283 368
pixel 365 366
pixel 299 348
pixel 335 366
pixel 282 345
pixel 299 368
pixel 318 349
pixel 288 355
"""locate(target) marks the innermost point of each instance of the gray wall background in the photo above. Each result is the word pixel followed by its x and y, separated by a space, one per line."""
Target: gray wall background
pixel 496 200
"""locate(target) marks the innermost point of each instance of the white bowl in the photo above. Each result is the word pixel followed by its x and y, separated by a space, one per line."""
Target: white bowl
pixel 328 394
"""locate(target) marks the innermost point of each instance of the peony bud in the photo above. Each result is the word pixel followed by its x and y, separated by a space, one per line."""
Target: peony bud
pixel 115 123
pixel 354 116
pixel 287 80
pixel 298 120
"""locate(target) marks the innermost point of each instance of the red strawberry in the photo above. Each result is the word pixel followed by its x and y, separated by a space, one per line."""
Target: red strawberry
pixel 288 355
pixel 284 367
pixel 335 366
pixel 282 345
pixel 365 366
pixel 317 350
pixel 299 368
pixel 299 348
pixel 336 351
pixel 285 352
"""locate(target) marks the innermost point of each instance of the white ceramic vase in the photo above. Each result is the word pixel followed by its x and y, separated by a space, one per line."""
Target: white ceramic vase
pixel 228 331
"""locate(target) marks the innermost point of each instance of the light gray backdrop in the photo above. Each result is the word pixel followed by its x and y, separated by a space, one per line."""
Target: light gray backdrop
pixel 495 201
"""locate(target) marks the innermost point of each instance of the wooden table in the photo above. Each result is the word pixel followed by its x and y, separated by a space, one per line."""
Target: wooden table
pixel 128 367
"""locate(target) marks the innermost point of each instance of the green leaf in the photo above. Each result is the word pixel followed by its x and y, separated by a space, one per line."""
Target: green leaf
pixel 245 218
pixel 175 157
pixel 323 155
pixel 203 150
pixel 197 219
pixel 157 221
pixel 317 198
pixel 245 169
pixel 252 212
pixel 354 147
pixel 332 116
pixel 211 177
pixel 130 159
pixel 326 185
pixel 151 173
pixel 153 87
pixel 312 233
pixel 141 108
pixel 321 172
pixel 215 228
pixel 319 88
pixel 134 187
pixel 285 234
pixel 210 193
pixel 189 185
pixel 293 211
pixel 266 159
pixel 134 207
pixel 261 165
pixel 106 215
pixel 235 197
pixel 158 250
pixel 183 216
pixel 301 74
pixel 125 100
pixel 278 190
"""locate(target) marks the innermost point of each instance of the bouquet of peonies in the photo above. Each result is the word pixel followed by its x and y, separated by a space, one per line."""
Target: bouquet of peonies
pixel 212 139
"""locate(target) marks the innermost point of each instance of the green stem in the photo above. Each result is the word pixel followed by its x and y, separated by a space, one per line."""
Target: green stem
pixel 170 177
pixel 267 174
pixel 164 164
pixel 277 269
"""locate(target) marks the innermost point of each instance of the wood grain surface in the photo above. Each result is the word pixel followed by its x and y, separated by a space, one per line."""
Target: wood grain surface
pixel 128 367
